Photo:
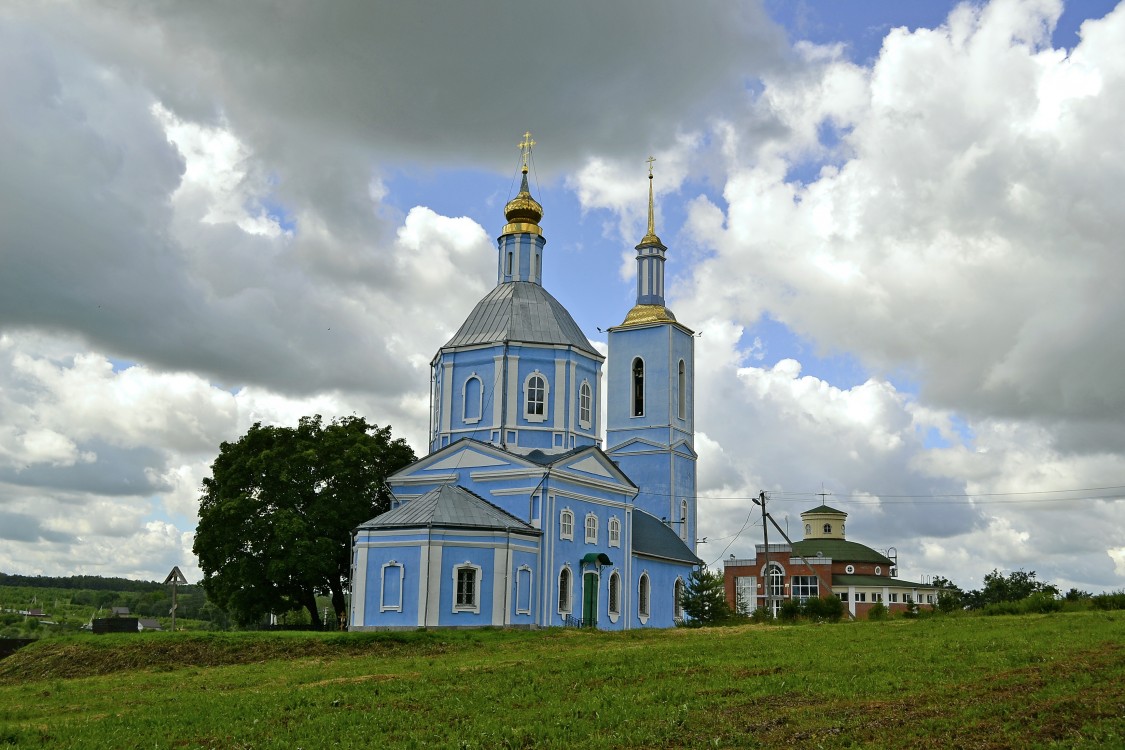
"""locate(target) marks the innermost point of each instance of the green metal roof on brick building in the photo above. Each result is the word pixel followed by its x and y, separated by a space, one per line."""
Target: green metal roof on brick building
pixel 839 549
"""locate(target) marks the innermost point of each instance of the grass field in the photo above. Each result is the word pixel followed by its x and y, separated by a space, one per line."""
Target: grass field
pixel 943 682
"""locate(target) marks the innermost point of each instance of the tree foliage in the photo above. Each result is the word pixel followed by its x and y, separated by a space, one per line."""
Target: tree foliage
pixel 704 600
pixel 277 513
pixel 1014 587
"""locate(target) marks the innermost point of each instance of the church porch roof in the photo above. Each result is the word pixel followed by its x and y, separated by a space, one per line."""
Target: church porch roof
pixel 653 538
pixel 449 506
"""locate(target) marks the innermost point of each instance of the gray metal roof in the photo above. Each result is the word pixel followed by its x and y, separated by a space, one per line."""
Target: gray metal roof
pixel 448 506
pixel 524 312
pixel 653 537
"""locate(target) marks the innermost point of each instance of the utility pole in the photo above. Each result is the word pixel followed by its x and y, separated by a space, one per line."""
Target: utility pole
pixel 766 540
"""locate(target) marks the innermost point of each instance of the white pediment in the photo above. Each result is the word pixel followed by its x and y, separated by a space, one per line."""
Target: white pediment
pixel 466 459
pixel 591 465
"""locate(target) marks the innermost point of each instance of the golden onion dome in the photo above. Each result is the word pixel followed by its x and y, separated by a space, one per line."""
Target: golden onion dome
pixel 523 212
pixel 523 208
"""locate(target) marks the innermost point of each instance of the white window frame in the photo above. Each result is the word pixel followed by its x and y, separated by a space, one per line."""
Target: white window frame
pixel 827 528
pixel 613 602
pixel 614 532
pixel 644 597
pixel 681 410
pixel 746 593
pixel 804 588
pixel 566 524
pixel 566 594
pixel 478 579
pixel 683 519
pixel 383 605
pixel 527 412
pixel 634 412
pixel 465 400
pixel 591 528
pixel 522 572
pixel 585 405
pixel 678 591
pixel 849 569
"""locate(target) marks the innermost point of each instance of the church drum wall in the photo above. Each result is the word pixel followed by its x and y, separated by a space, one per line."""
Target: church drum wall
pixel 503 387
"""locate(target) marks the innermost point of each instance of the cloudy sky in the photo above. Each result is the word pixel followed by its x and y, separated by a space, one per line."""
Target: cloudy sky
pixel 898 227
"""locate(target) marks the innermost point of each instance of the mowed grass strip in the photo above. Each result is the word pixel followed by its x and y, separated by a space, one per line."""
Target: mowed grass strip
pixel 970 682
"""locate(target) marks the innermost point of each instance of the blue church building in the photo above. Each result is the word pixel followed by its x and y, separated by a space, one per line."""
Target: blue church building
pixel 519 516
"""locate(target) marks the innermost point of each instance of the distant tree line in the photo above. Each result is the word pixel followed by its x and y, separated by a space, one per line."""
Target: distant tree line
pixel 94 583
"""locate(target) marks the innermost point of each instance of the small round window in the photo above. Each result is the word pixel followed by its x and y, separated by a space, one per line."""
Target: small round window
pixel 850 569
pixel 878 571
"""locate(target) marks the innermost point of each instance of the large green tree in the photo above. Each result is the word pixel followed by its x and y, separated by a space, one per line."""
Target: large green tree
pixel 704 599
pixel 277 513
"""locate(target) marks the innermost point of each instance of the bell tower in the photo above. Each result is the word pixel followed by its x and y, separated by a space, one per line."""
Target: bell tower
pixel 650 424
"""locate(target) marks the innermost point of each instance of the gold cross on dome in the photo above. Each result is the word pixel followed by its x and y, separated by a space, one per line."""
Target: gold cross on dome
pixel 525 147
pixel 650 160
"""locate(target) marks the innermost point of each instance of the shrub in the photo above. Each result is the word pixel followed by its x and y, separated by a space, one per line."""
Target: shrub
pixel 948 601
pixel 911 610
pixel 790 610
pixel 1041 603
pixel 878 611
pixel 761 614
pixel 1114 600
pixel 828 608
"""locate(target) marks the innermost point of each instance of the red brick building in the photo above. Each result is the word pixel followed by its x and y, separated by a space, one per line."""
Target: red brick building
pixel 823 563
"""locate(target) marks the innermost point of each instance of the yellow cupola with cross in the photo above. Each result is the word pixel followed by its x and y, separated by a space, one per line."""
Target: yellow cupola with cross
pixel 824 522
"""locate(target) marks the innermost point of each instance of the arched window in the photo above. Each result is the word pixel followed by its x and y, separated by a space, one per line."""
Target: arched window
pixel 614 532
pixel 808 529
pixel 827 528
pixel 508 269
pixel 585 404
pixel 682 391
pixel 523 590
pixel 614 594
pixel 642 596
pixel 683 519
pixel 591 529
pixel 776 583
pixel 535 405
pixel 638 387
pixel 473 395
pixel 564 590
pixel 678 593
pixel 566 525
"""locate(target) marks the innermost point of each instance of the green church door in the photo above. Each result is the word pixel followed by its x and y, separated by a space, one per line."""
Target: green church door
pixel 590 600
